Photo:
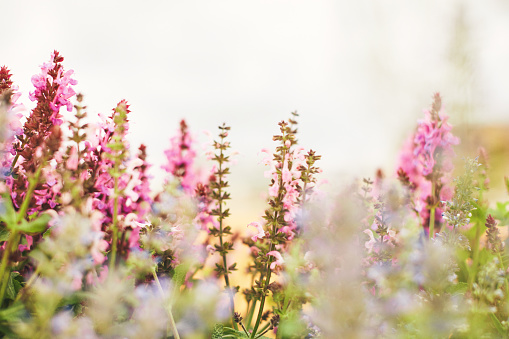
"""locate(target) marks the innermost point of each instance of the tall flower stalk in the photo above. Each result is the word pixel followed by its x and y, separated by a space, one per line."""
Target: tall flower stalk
pixel 426 163
pixel 219 195
pixel 118 155
pixel 275 217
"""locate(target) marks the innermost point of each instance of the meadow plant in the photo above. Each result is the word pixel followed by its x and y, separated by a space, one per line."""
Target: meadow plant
pixel 89 250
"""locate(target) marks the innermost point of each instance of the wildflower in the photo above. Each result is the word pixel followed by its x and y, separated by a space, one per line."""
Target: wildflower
pixel 493 242
pixel 276 265
pixel 180 157
pixel 433 139
pixel 259 228
pixel 425 163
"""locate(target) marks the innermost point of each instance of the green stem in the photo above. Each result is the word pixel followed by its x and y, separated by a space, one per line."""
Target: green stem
pixel 475 256
pixel 5 264
pixel 262 301
pixel 432 211
pixel 264 330
pixel 172 326
pixel 272 248
pixel 250 313
pixel 15 235
pixel 223 254
pixel 114 227
pixel 475 247
pixel 251 308
pixel 267 280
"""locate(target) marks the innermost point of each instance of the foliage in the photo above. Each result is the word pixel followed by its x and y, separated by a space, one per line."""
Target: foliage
pixel 89 250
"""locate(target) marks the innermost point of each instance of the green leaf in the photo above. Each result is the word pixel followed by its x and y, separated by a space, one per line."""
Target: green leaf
pixel 459 288
pixel 217 333
pixel 179 276
pixel 37 225
pixel 10 315
pixel 229 332
pixel 4 234
pixel 497 324
pixel 13 286
pixel 10 216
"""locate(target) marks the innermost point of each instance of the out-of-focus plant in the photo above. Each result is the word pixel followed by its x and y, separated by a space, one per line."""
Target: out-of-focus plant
pixel 89 250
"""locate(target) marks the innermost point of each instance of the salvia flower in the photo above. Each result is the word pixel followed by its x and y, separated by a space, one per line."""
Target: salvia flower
pixel 433 139
pixel 493 242
pixel 425 163
pixel 180 157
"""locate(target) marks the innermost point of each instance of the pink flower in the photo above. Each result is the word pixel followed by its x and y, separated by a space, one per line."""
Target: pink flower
pixel 72 162
pixel 434 133
pixel 181 157
pixel 371 242
pixel 259 228
pixel 274 189
pixel 276 265
pixel 210 249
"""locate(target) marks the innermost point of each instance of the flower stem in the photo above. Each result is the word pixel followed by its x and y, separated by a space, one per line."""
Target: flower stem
pixel 223 254
pixel 432 211
pixel 262 301
pixel 5 264
pixel 272 248
pixel 263 330
pixel 14 237
pixel 172 326
pixel 114 226
pixel 250 313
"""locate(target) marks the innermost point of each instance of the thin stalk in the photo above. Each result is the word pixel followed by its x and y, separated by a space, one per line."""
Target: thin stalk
pixel 250 313
pixel 114 227
pixel 272 248
pixel 226 278
pixel 251 309
pixel 15 235
pixel 475 249
pixel 5 264
pixel 432 211
pixel 475 256
pixel 262 301
pixel 244 328
pixel 261 334
pixel 172 326
pixel 264 329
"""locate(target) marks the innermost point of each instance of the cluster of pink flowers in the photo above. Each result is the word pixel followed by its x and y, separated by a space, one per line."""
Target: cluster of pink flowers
pixel 133 182
pixel 180 158
pixel 290 180
pixel 12 121
pixel 53 79
pixel 434 138
pixel 427 156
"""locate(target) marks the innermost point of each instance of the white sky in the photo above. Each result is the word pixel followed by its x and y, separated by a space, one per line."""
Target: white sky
pixel 359 72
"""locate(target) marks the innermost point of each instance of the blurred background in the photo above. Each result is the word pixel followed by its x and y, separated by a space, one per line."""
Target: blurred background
pixel 359 73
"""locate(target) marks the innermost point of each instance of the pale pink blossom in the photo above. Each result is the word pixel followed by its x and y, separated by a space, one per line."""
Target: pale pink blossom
pixel 72 162
pixel 371 242
pixel 276 265
pixel 259 228
pixel 210 249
